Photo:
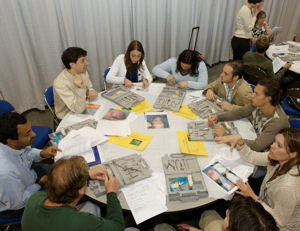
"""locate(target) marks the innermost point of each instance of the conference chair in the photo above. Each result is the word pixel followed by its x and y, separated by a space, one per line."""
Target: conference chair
pixel 294 123
pixel 254 73
pixel 288 109
pixel 105 75
pixel 10 223
pixel 49 100
pixel 41 132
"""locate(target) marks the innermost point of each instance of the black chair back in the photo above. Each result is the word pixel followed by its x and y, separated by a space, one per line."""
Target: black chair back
pixel 254 73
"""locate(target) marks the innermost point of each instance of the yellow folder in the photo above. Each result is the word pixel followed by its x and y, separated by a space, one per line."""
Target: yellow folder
pixel 135 140
pixel 190 147
pixel 186 112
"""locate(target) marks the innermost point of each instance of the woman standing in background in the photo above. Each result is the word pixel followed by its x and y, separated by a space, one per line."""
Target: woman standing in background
pixel 245 20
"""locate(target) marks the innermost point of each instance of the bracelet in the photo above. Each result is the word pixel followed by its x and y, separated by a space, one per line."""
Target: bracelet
pixel 257 200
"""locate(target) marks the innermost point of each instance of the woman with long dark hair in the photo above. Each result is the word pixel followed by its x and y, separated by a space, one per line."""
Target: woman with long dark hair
pixel 130 67
pixel 188 70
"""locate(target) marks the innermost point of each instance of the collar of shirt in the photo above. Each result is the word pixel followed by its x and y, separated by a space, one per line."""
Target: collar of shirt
pixel 229 92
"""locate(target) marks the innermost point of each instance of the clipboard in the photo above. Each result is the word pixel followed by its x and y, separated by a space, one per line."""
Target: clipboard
pixel 97 157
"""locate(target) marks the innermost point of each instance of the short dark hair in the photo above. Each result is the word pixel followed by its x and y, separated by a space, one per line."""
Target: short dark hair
pixel 65 178
pixel 189 57
pixel 255 1
pixel 134 45
pixel 271 88
pixel 9 122
pixel 262 43
pixel 247 215
pixel 71 55
pixel 237 68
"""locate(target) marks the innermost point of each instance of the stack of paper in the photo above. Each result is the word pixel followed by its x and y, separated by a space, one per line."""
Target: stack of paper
pixel 190 147
pixel 80 142
pixel 146 198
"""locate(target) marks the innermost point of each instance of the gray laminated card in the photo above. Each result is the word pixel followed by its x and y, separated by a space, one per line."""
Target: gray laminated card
pixel 122 96
pixel 199 130
pixel 127 170
pixel 170 99
pixel 204 108
pixel 183 178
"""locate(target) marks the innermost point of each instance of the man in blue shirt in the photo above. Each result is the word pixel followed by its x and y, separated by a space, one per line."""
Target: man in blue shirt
pixel 18 181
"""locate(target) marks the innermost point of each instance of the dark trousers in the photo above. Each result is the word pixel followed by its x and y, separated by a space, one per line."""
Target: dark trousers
pixel 239 47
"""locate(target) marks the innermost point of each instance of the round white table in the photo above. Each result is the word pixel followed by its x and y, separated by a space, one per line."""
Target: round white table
pixel 164 141
pixel 273 49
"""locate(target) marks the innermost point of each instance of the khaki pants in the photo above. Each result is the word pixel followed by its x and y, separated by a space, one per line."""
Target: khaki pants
pixel 210 221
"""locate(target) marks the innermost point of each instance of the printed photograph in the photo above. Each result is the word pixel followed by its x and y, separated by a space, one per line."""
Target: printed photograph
pixel 157 120
pixel 115 114
pixel 221 175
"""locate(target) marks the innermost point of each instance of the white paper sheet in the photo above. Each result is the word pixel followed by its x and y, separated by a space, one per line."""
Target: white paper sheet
pixel 274 30
pixel 146 198
pixel 80 142
pixel 114 128
pixel 277 64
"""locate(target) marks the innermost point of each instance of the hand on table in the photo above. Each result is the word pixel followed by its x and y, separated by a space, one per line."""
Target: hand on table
pixel 171 79
pixel 212 120
pixel 78 81
pixel 226 105
pixel 128 83
pixel 219 130
pixel 210 95
pixel 145 83
pixel 111 183
pixel 232 140
pixel 92 94
pixel 49 152
pixel 98 172
pixel 288 65
pixel 186 227
pixel 182 84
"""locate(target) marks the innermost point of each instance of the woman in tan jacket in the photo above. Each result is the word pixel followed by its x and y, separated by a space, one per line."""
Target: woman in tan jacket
pixel 279 192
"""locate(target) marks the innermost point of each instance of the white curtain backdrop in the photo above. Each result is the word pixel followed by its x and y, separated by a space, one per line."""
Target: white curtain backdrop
pixel 34 33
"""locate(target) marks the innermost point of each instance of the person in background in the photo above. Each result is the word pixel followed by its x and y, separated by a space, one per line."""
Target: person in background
pixel 73 86
pixel 230 86
pixel 264 112
pixel 187 70
pixel 244 214
pixel 279 192
pixel 245 20
pixel 258 59
pixel 261 27
pixel 56 209
pixel 19 178
pixel 130 67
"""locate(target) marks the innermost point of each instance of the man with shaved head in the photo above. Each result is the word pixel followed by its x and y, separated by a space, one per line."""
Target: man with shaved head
pixel 66 184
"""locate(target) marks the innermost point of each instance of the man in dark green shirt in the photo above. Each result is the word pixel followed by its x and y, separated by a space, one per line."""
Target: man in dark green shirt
pixel 66 184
